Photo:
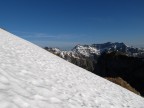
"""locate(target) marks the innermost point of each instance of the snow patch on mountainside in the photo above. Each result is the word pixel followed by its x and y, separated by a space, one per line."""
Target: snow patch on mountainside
pixel 86 50
pixel 31 77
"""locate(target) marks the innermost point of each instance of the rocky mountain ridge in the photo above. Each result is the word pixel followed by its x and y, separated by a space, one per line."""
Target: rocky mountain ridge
pixel 98 49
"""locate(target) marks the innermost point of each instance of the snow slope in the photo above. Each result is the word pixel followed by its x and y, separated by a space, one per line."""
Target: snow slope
pixel 31 77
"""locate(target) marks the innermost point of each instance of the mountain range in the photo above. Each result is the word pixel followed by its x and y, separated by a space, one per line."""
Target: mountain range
pixel 110 60
pixel 98 49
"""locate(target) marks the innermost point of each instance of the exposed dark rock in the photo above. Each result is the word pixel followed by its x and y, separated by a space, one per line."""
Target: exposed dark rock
pixel 131 69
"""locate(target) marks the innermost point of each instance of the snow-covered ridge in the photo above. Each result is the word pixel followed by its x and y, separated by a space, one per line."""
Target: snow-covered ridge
pixel 107 47
pixel 86 50
pixel 31 77
pixel 98 49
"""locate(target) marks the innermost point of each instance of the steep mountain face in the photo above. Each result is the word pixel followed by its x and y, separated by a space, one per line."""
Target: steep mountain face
pixel 82 60
pixel 31 77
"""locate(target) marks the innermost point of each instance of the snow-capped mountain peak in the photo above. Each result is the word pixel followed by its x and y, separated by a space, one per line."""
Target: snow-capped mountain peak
pixel 108 47
pixel 85 50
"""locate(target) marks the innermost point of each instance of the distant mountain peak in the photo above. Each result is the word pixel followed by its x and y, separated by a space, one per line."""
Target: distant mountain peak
pixel 97 49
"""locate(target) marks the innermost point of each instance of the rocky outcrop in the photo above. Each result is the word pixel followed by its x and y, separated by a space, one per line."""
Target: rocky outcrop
pixel 121 82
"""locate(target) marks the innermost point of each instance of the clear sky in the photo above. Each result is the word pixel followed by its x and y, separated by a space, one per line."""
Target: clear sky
pixel 65 23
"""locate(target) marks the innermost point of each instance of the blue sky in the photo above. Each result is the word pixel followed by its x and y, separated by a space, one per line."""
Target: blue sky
pixel 65 23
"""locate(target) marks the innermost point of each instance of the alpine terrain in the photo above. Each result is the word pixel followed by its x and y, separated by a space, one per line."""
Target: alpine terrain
pixel 116 62
pixel 31 77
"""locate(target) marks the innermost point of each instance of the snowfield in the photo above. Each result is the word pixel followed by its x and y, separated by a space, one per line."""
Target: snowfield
pixel 31 77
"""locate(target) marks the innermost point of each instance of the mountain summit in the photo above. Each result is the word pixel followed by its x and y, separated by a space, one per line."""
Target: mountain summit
pixel 31 77
pixel 108 47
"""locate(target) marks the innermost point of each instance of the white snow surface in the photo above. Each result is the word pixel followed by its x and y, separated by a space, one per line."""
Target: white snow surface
pixel 31 77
